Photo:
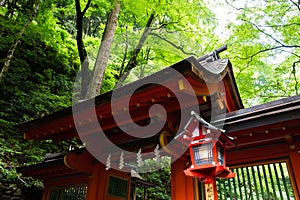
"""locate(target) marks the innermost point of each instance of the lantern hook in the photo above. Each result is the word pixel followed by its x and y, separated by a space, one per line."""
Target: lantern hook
pixel 205 123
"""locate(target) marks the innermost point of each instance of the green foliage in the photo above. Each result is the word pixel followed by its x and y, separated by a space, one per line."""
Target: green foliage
pixel 174 34
pixel 40 78
pixel 109 80
pixel 94 19
pixel 16 152
pixel 39 81
pixel 264 49
pixel 161 178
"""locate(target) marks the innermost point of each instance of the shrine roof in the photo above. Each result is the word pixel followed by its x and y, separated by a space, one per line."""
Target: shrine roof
pixel 52 167
pixel 269 123
pixel 199 73
pixel 56 166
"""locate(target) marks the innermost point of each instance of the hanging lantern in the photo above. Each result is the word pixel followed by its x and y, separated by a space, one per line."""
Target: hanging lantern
pixel 207 151
pixel 208 158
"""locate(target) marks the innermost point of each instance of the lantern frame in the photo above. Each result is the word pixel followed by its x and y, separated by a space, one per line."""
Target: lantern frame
pixel 211 162
pixel 211 152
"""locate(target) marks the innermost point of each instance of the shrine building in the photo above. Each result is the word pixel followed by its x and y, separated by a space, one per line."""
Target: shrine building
pixel 218 148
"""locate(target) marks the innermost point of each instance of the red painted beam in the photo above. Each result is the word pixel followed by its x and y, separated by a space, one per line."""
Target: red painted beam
pixel 140 99
pixel 264 135
pixel 258 153
pixel 90 126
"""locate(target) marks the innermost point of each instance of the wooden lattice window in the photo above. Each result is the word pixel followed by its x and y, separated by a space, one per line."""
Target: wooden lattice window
pixel 73 192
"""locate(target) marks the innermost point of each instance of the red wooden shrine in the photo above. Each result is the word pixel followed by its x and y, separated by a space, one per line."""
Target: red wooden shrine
pixel 261 133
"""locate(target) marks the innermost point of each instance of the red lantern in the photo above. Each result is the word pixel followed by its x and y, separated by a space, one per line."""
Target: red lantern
pixel 207 152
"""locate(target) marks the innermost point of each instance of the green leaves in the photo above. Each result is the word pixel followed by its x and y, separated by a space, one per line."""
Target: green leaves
pixel 42 71
pixel 161 178
pixel 16 152
pixel 38 82
pixel 263 42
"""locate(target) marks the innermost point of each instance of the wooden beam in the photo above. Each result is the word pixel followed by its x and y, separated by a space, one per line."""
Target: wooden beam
pixel 138 102
pixel 258 153
pixel 265 135
pixel 83 162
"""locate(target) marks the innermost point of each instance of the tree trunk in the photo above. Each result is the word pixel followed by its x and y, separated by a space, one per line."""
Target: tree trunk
pixel 103 53
pixel 80 46
pixel 132 63
pixel 13 47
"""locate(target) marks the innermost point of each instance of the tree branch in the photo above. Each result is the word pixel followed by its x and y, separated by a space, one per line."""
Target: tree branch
pixel 81 49
pixel 295 76
pixel 17 41
pixel 163 25
pixel 279 25
pixel 236 8
pixel 281 44
pixel 263 32
pixel 265 50
pixel 173 44
pixel 132 63
pixel 297 5
pixel 125 53
pixel 86 7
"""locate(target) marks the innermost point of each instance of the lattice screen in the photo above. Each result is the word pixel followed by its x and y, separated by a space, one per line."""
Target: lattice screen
pixel 264 181
pixel 75 192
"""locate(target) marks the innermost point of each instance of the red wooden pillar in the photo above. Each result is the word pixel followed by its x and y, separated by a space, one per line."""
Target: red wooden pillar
pixel 295 163
pixel 46 193
pixel 182 186
pixel 97 182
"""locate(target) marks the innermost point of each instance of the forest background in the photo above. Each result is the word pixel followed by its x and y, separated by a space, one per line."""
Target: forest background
pixel 44 45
